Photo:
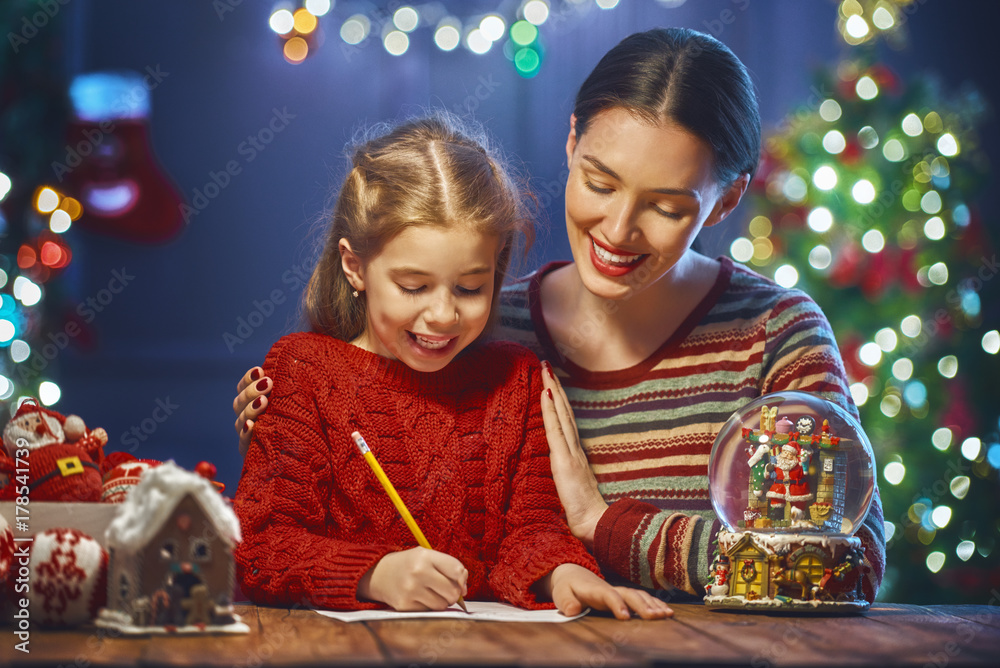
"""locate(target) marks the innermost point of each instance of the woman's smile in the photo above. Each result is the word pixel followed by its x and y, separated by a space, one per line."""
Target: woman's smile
pixel 612 261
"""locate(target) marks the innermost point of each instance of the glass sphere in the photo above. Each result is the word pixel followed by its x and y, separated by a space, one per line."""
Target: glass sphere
pixel 792 462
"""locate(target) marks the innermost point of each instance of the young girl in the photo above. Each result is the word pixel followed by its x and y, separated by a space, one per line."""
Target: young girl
pixel 421 236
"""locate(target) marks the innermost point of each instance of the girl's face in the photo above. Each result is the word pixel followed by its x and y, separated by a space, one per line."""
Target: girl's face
pixel 428 293
pixel 636 196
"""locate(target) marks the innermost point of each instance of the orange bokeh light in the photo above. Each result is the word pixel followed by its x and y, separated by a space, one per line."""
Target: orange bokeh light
pixel 72 207
pixel 305 22
pixel 26 256
pixel 296 50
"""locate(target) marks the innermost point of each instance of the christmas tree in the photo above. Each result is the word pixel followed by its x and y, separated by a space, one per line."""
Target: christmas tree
pixel 865 199
pixel 34 213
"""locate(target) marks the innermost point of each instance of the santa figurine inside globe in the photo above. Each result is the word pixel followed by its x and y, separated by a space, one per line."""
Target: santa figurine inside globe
pixel 791 479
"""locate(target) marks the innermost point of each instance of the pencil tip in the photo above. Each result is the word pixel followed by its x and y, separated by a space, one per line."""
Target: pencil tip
pixel 461 604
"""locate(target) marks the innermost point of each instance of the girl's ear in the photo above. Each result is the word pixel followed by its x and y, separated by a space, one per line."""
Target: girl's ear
pixel 728 201
pixel 351 263
pixel 571 139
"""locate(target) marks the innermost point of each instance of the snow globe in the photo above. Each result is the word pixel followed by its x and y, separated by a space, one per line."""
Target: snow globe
pixel 791 477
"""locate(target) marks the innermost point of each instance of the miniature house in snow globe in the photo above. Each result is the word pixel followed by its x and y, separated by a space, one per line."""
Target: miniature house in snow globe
pixel 791 479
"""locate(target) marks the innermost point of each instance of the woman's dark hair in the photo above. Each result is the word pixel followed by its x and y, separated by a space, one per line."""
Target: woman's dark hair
pixel 687 77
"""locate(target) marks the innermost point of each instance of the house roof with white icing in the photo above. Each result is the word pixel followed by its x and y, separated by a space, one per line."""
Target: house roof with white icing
pixel 150 503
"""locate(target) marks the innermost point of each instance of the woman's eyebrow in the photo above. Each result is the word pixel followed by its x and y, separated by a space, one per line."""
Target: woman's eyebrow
pixel 600 166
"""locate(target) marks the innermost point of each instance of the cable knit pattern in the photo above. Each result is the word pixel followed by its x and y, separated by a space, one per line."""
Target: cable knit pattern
pixel 648 430
pixel 464 447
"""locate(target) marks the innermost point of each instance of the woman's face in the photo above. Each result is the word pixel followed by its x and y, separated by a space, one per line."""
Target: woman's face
pixel 636 197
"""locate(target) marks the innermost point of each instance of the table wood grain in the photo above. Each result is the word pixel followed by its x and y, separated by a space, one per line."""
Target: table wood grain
pixel 937 636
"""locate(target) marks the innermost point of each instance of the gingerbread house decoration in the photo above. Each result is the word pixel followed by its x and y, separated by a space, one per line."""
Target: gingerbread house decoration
pixel 170 550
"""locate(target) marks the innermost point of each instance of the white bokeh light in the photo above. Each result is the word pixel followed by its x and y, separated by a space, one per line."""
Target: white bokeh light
pixel 741 249
pixel 863 192
pixel 873 241
pixel 820 257
pixel 536 12
pixel 820 219
pixel 991 342
pixel 786 276
pixel 825 178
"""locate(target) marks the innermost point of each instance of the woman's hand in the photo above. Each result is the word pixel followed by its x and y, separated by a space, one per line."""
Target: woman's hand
pixel 250 402
pixel 415 579
pixel 575 482
pixel 574 588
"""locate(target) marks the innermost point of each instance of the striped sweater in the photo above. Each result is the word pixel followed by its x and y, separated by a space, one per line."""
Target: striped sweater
pixel 648 430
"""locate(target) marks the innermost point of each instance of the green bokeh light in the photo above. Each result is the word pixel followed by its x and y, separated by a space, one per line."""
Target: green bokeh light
pixel 527 62
pixel 523 33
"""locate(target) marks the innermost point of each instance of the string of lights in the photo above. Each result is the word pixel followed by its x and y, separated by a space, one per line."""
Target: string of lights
pixel 512 27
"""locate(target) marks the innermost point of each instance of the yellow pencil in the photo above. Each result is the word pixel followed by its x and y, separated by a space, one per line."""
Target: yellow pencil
pixel 396 501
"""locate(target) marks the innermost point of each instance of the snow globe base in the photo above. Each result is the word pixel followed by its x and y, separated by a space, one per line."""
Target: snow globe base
pixel 776 572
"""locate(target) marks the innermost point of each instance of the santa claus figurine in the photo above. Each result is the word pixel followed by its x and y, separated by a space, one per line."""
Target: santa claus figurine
pixel 790 485
pixel 60 457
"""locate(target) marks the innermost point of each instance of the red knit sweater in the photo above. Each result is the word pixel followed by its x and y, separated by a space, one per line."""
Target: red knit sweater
pixel 465 448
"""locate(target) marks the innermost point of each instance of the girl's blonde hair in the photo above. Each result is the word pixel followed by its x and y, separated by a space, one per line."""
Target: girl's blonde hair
pixel 427 171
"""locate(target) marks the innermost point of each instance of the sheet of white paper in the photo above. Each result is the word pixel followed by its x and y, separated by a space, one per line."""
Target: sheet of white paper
pixel 486 611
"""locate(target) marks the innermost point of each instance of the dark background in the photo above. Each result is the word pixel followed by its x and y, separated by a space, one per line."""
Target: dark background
pixel 160 342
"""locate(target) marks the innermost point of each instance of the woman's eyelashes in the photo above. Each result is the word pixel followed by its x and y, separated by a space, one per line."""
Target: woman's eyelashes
pixel 604 190
pixel 673 215
pixel 597 189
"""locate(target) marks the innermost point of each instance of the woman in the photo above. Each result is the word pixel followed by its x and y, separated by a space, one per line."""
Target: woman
pixel 650 345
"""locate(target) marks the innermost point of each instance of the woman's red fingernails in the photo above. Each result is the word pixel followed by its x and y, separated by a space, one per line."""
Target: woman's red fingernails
pixel 246 425
pixel 255 374
pixel 549 393
pixel 262 385
pixel 256 402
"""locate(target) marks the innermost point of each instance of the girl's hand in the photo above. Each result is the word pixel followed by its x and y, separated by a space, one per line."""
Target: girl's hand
pixel 415 579
pixel 250 402
pixel 574 588
pixel 575 482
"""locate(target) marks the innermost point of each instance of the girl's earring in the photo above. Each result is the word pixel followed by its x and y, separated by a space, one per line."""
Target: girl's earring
pixel 355 293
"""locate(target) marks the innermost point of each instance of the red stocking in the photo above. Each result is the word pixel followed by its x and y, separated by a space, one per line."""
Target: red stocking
pixel 110 165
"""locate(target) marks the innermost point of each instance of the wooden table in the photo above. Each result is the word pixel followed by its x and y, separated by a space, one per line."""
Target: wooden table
pixel 935 636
